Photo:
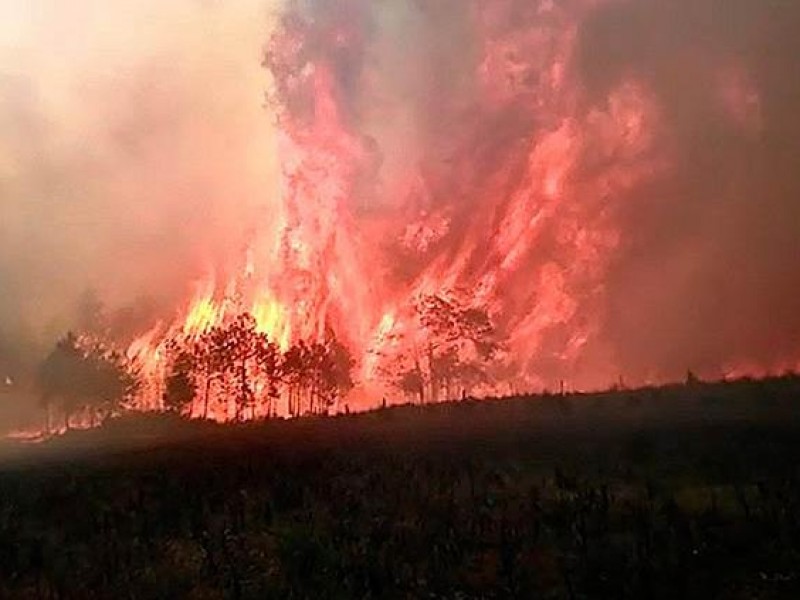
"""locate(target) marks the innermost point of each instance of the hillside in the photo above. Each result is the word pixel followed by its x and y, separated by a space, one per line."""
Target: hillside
pixel 682 491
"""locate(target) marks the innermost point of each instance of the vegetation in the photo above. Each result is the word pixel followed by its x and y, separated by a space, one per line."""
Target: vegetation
pixel 232 362
pixel 82 375
pixel 235 365
pixel 689 491
pixel 236 361
pixel 449 356
pixel 180 388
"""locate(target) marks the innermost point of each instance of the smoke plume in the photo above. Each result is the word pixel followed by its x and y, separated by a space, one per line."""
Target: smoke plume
pixel 134 153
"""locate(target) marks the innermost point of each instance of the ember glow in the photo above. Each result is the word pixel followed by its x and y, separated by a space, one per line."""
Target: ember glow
pixel 567 167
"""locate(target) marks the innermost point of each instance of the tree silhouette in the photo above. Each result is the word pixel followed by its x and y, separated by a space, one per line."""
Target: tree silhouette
pixel 317 374
pixel 240 343
pixel 84 374
pixel 180 387
pixel 295 370
pixel 245 363
pixel 331 374
pixel 114 379
pixel 61 377
pixel 412 381
pixel 457 342
pixel 269 365
pixel 340 368
pixel 208 357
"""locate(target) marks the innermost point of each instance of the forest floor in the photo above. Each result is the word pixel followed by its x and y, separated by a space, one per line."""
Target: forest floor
pixel 675 492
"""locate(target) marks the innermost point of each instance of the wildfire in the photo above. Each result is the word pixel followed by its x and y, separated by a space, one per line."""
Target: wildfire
pixel 203 315
pixel 272 319
pixel 514 214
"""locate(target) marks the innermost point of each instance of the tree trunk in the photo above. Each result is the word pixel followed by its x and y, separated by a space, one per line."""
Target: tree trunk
pixel 421 380
pixel 315 398
pixel 243 395
pixel 205 400
pixel 434 395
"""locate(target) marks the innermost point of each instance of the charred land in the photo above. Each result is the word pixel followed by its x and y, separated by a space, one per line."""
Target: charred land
pixel 680 491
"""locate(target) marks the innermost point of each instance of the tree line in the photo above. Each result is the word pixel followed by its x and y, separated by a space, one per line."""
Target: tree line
pixel 231 364
pixel 236 362
pixel 235 368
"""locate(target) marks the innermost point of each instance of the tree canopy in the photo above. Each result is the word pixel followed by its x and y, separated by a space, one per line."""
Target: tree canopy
pixel 82 374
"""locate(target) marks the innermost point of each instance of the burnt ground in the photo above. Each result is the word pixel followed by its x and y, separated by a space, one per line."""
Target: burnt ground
pixel 677 492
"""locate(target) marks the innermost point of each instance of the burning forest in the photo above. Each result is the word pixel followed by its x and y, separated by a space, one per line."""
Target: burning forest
pixel 265 264
pixel 452 198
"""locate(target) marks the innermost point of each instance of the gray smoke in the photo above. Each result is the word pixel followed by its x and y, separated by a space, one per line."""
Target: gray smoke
pixel 134 154
pixel 711 271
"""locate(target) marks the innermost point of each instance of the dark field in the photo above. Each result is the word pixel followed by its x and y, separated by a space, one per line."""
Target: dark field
pixel 688 491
